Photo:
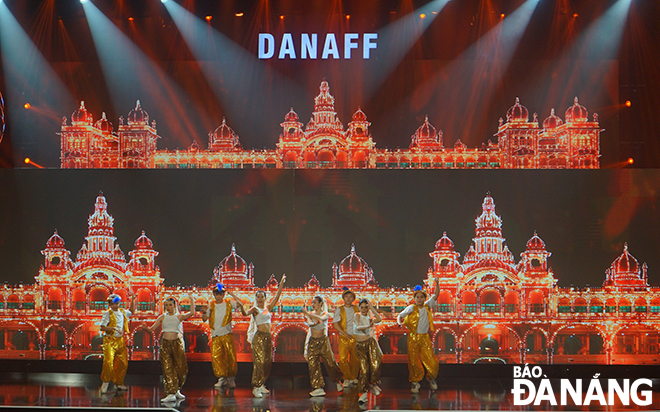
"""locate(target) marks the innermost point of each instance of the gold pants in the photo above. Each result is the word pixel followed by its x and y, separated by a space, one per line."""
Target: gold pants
pixel 115 360
pixel 174 363
pixel 223 356
pixel 348 362
pixel 262 357
pixel 318 349
pixel 370 357
pixel 420 352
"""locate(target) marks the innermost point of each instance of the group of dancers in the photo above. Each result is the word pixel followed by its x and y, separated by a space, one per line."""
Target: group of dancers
pixel 360 356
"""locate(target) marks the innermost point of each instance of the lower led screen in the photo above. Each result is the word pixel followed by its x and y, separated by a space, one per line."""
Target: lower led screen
pixel 534 266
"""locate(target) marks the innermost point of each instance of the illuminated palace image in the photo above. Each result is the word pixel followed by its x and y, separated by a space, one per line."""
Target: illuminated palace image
pixel 573 143
pixel 491 307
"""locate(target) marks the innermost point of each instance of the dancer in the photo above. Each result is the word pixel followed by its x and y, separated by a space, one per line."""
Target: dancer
pixel 261 340
pixel 368 351
pixel 418 318
pixel 223 353
pixel 172 348
pixel 344 323
pixel 317 348
pixel 115 357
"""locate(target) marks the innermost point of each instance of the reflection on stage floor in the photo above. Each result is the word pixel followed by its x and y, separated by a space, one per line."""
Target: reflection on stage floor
pixel 287 395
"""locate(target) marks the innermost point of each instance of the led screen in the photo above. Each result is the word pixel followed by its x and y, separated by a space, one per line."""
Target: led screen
pixel 575 248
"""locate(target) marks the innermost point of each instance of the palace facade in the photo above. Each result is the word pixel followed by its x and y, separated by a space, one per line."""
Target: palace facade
pixel 572 143
pixel 492 307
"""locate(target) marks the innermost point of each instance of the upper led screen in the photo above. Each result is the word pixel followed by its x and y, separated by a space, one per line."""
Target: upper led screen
pixel 370 84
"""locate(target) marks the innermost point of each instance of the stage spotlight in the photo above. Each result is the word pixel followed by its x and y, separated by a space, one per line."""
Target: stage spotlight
pixel 208 18
pixel 239 14
pixel 575 15
pixel 163 1
pixel 628 103
pixel 27 105
pixel 631 160
pixel 84 1
pixel 130 19
pixel 348 17
pixel 27 160
pixel 422 16
pixel 282 17
pixel 502 15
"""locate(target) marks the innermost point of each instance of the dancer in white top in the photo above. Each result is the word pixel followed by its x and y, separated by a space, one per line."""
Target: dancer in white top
pixel 368 351
pixel 261 340
pixel 317 348
pixel 172 348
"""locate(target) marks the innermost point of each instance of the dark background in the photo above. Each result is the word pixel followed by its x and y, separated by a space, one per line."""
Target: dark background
pixel 301 222
pixel 545 72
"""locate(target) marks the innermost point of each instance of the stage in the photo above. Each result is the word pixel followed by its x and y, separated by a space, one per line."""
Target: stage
pixel 461 387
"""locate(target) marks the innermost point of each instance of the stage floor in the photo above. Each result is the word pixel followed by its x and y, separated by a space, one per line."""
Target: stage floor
pixel 287 395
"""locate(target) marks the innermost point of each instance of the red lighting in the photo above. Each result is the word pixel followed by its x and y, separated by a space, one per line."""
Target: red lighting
pixel 28 161
pixel 208 18
pixel 27 105
pixel 422 16
pixel 628 103
pixel 130 19
pixel 282 17
pixel 631 160
pixel 239 14
pixel 575 15
pixel 502 15
pixel 348 17
pixel 295 151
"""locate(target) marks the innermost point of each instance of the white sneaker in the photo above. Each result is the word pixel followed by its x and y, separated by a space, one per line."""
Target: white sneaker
pixel 433 384
pixel 263 389
pixel 340 387
pixel 363 398
pixel 231 383
pixel 318 392
pixel 169 398
pixel 375 389
pixel 121 387
pixel 257 392
pixel 347 383
pixel 415 387
pixel 179 395
pixel 221 382
pixel 105 387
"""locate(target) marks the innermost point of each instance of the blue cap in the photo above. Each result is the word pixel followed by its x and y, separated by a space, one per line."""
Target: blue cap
pixel 220 287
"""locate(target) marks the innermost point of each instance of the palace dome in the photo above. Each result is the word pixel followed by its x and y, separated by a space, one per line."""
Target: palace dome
pixel 626 263
pixel 426 130
pixel 55 241
pixel 81 115
pixel 517 113
pixel 577 112
pixel 535 243
pixel 553 121
pixel 444 243
pixel 143 242
pixel 104 125
pixel 138 115
pixel 224 132
pixel 233 262
pixel 359 116
pixel 291 116
pixel 352 263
